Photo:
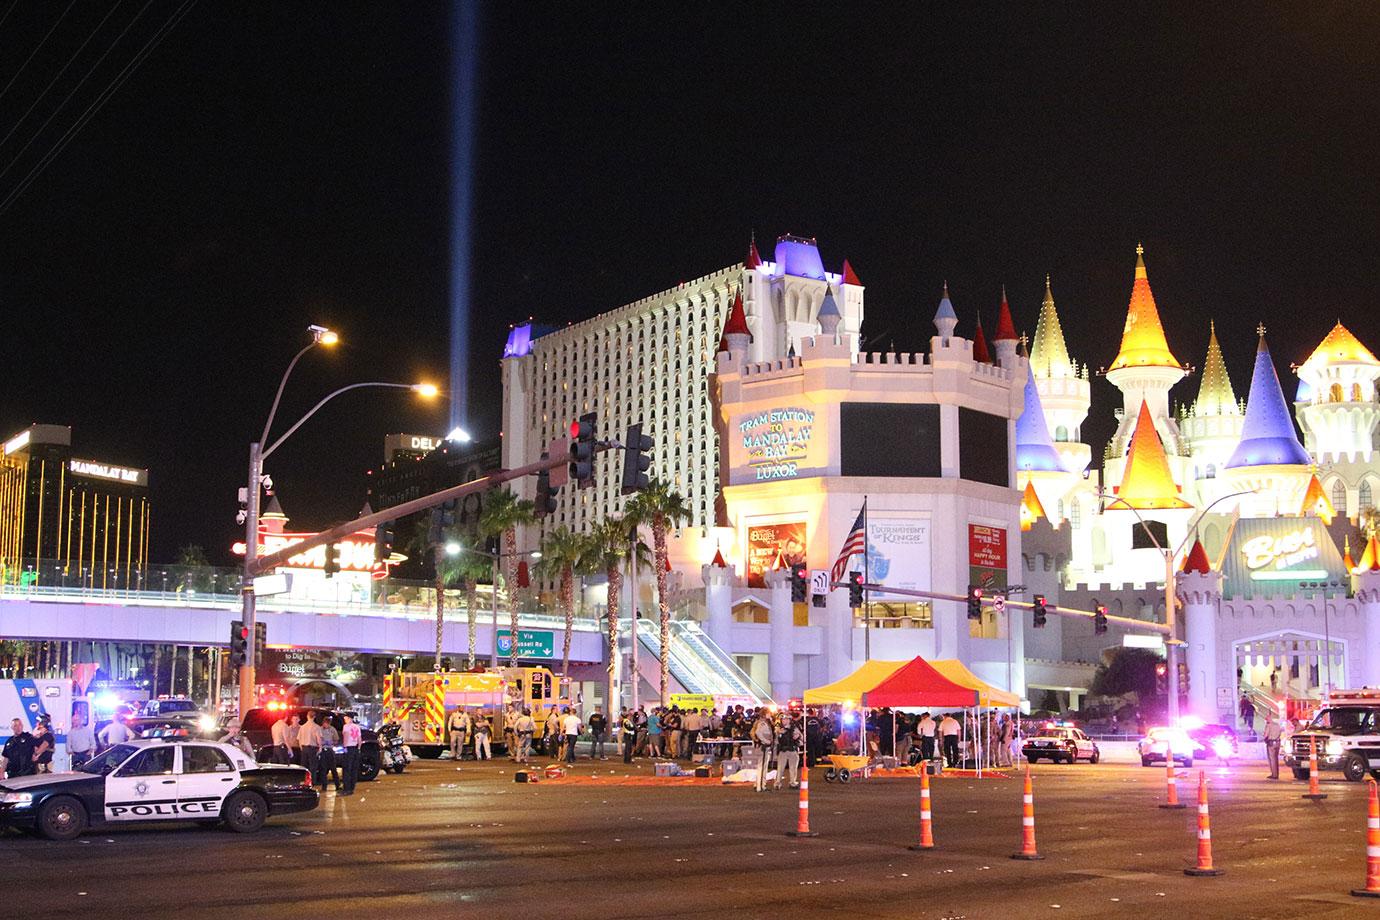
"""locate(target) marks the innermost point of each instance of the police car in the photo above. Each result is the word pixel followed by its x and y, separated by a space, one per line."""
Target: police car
pixel 164 779
pixel 1054 742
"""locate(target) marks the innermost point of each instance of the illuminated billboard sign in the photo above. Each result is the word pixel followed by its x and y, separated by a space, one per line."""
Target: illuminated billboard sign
pixel 776 442
pixel 766 541
pixel 898 553
pixel 108 471
pixel 987 556
pixel 1281 556
pixel 354 553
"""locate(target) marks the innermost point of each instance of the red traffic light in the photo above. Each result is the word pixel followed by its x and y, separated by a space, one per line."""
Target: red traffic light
pixel 977 592
pixel 1161 669
pixel 575 428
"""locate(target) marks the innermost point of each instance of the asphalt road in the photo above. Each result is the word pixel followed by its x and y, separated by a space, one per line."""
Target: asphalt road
pixel 468 842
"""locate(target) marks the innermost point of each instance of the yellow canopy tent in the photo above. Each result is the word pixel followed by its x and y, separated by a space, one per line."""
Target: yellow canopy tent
pixel 988 696
pixel 850 689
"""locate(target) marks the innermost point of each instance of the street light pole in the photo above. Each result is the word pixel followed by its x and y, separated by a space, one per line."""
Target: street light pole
pixel 251 552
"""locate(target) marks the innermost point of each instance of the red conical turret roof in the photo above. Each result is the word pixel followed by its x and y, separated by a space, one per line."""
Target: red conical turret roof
pixel 850 276
pixel 753 258
pixel 719 559
pixel 980 352
pixel 1006 329
pixel 1197 560
pixel 736 324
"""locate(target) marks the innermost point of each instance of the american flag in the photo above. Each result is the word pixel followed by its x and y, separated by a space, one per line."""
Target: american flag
pixel 853 544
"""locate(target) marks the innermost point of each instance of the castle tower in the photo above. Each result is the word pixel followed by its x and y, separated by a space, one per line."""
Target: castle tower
pixel 945 319
pixel 1212 427
pixel 1038 463
pixel 1337 402
pixel 1146 498
pixel 1006 340
pixel 1144 369
pixel 782 297
pixel 1268 460
pixel 1198 591
pixel 1064 393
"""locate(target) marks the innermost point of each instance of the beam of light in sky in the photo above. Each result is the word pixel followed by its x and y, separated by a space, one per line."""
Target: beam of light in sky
pixel 463 103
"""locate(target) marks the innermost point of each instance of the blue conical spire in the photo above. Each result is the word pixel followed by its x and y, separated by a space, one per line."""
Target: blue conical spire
pixel 945 319
pixel 1267 436
pixel 1034 449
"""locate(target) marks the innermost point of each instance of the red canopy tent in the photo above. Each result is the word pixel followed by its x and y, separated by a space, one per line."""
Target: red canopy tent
pixel 918 683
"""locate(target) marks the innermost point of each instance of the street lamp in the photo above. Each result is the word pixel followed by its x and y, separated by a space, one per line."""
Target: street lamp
pixel 320 335
pixel 1172 643
pixel 455 548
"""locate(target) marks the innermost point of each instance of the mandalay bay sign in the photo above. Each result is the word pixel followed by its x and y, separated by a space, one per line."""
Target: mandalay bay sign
pixel 776 441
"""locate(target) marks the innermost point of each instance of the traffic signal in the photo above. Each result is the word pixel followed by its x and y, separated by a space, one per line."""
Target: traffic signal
pixel 546 495
pixel 582 450
pixel 331 567
pixel 974 602
pixel 1161 670
pixel 635 460
pixel 1183 678
pixel 800 584
pixel 260 640
pixel 1041 611
pixel 239 640
pixel 383 541
pixel 1099 619
pixel 855 590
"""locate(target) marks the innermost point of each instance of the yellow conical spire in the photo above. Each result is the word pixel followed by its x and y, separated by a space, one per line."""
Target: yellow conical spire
pixel 1142 341
pixel 1341 347
pixel 1315 501
pixel 1049 356
pixel 1147 482
pixel 1215 395
pixel 1031 509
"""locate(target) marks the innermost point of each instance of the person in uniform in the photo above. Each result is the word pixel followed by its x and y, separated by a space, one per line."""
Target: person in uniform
pixel 459 727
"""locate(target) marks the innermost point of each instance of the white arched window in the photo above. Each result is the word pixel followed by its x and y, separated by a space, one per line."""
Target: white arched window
pixel 1061 433
pixel 1339 497
pixel 1075 513
pixel 1364 499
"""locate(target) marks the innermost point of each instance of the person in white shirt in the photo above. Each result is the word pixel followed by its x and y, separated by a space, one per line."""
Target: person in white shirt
pixel 570 726
pixel 949 729
pixel 459 726
pixel 117 732
pixel 278 735
pixel 81 741
pixel 525 727
pixel 927 729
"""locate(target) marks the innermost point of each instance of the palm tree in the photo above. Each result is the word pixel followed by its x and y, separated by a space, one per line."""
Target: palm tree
pixel 608 545
pixel 468 567
pixel 662 508
pixel 503 513
pixel 563 556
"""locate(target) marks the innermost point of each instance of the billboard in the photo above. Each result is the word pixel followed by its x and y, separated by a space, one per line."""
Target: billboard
pixel 773 444
pixel 1282 556
pixel 898 553
pixel 987 556
pixel 765 541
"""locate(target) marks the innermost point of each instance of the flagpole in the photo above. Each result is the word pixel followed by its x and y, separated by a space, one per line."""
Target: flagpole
pixel 867 592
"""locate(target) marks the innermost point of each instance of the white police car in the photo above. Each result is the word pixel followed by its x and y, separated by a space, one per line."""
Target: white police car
pixel 164 779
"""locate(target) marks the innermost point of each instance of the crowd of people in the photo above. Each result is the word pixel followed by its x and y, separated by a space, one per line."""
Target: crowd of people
pixel 311 743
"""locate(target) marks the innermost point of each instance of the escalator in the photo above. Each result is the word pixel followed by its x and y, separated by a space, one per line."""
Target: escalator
pixel 696 662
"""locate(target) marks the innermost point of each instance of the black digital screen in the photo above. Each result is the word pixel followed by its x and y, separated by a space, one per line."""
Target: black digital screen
pixel 889 439
pixel 982 447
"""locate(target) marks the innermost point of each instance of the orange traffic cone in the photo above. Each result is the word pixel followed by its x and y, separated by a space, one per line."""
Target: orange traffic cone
pixel 1171 782
pixel 1204 866
pixel 1372 889
pixel 1313 792
pixel 926 830
pixel 1027 822
pixel 802 820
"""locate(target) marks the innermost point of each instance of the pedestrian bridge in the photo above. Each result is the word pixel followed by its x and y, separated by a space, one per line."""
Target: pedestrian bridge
pixel 191 618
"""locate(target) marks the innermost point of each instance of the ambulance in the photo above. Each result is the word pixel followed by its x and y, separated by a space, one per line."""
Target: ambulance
pixel 28 700
pixel 422 702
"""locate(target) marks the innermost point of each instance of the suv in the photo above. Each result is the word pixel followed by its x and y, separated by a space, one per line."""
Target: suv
pixel 1346 734
pixel 165 706
pixel 257 726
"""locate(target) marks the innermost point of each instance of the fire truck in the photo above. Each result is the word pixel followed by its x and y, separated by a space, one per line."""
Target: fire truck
pixel 1345 733
pixel 422 702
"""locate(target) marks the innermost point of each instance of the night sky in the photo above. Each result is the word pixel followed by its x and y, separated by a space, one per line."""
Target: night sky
pixel 274 165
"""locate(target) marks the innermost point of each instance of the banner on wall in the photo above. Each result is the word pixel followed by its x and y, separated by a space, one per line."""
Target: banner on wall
pixel 899 553
pixel 765 541
pixel 987 556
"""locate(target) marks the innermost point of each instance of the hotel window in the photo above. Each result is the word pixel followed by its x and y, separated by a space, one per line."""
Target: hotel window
pixel 1364 499
pixel 1339 497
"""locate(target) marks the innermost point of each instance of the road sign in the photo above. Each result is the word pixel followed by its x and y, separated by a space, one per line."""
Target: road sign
pixel 819 581
pixel 999 604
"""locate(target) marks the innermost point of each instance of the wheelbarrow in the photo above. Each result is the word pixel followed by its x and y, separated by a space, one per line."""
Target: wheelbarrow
pixel 843 767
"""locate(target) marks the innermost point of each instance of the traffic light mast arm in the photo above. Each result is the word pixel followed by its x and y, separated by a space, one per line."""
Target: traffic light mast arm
pixel 1050 608
pixel 339 532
